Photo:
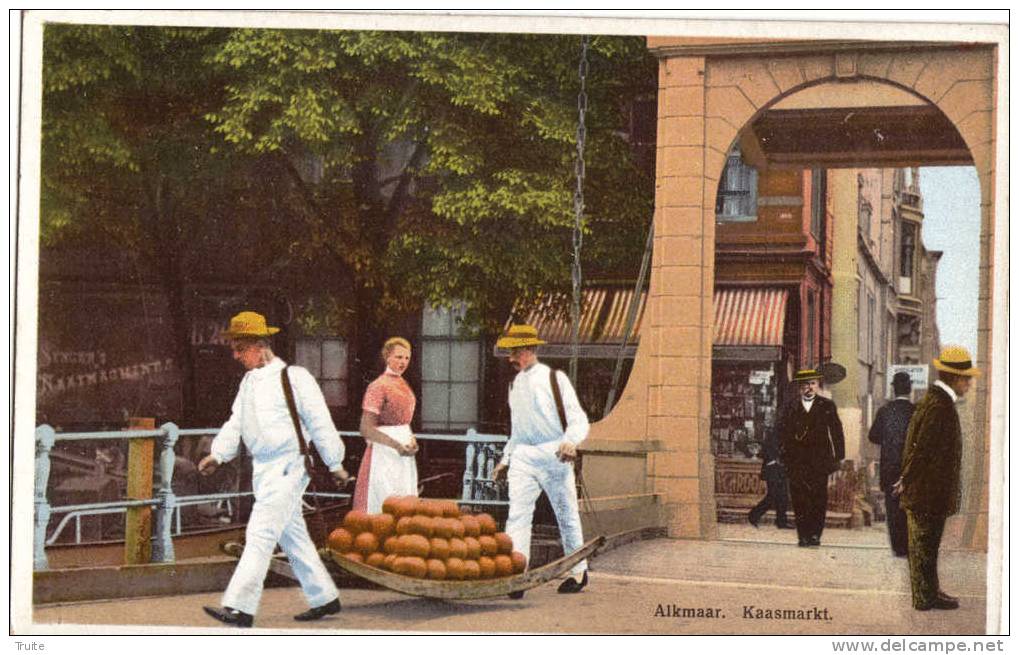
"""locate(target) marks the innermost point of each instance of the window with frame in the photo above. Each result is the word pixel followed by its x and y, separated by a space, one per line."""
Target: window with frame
pixel 886 335
pixel 865 216
pixel 811 329
pixel 450 371
pixel 736 201
pixel 871 316
pixel 818 199
pixel 326 359
pixel 907 251
pixel 861 333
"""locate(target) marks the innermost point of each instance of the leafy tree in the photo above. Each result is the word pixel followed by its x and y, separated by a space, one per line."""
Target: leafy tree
pixel 127 163
pixel 361 173
pixel 446 159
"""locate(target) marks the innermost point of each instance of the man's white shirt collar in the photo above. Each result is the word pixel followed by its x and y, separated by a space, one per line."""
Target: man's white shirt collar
pixel 947 389
pixel 272 367
pixel 807 404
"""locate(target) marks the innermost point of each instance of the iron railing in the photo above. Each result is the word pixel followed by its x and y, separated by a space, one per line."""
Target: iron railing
pixel 482 452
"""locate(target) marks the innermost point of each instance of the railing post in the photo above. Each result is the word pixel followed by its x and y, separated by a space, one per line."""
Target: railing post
pixel 138 519
pixel 162 544
pixel 468 482
pixel 45 437
pixel 490 463
pixel 481 481
pixel 493 459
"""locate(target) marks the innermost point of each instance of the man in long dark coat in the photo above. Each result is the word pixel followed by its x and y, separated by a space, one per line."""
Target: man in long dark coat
pixel 813 446
pixel 889 431
pixel 929 488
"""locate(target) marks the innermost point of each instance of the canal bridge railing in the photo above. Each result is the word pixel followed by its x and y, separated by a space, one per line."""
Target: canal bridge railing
pixel 481 453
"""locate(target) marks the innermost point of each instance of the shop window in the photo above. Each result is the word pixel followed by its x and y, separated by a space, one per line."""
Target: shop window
pixel 450 372
pixel 326 359
pixel 907 250
pixel 744 406
pixel 737 191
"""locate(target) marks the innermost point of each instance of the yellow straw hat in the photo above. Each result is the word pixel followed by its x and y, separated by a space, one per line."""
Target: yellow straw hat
pixel 805 374
pixel 956 359
pixel 248 325
pixel 519 336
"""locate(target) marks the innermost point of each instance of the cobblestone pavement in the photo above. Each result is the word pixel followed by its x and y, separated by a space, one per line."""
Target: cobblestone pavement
pixel 851 585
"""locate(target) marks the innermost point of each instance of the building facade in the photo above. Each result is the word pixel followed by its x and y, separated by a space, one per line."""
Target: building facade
pixel 804 104
pixel 772 311
pixel 885 301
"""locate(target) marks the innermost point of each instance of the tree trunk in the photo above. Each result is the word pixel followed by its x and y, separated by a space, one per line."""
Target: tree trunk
pixel 167 235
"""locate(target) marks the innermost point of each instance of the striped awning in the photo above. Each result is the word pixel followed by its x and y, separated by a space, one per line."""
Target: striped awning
pixel 750 316
pixel 603 317
pixel 744 316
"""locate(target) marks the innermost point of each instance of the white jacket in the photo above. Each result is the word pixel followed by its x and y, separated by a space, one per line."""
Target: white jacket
pixel 261 418
pixel 533 413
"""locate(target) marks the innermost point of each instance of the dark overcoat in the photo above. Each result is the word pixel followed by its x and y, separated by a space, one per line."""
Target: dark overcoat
pixel 932 457
pixel 813 443
pixel 772 468
pixel 889 430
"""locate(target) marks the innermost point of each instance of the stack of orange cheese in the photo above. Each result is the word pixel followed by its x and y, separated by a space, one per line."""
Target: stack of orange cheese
pixel 424 538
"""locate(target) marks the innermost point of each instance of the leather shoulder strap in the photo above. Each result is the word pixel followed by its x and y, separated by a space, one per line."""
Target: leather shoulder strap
pixel 288 391
pixel 558 396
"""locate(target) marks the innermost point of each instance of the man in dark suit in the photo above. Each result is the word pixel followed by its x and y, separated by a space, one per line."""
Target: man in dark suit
pixel 889 430
pixel 813 445
pixel 773 474
pixel 929 487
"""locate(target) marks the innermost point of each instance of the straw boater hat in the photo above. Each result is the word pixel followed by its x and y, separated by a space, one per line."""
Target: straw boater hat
pixel 806 374
pixel 248 325
pixel 519 336
pixel 956 359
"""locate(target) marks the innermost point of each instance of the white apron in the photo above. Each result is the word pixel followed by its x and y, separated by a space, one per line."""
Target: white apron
pixel 391 474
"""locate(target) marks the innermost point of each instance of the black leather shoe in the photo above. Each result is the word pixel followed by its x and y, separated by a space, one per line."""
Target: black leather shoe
pixel 230 616
pixel 753 521
pixel 814 541
pixel 332 607
pixel 516 595
pixel 940 604
pixel 571 586
pixel 943 596
pixel 803 543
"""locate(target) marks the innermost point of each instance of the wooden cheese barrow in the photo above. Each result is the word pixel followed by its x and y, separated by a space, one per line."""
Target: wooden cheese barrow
pixel 443 589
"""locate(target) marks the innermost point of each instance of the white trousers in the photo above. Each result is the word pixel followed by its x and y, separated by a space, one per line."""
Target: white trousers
pixel 534 469
pixel 276 518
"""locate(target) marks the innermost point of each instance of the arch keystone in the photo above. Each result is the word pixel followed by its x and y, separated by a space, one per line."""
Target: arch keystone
pixel 818 68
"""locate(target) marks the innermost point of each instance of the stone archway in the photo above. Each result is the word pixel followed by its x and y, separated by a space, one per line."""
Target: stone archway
pixel 708 92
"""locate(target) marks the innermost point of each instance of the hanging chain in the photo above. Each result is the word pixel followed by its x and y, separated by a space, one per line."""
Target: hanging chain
pixel 578 211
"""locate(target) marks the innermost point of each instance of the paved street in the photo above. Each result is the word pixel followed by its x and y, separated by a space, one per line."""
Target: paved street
pixel 851 585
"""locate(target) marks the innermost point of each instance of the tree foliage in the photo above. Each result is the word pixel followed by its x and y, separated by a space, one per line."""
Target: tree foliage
pixel 363 174
pixel 447 159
